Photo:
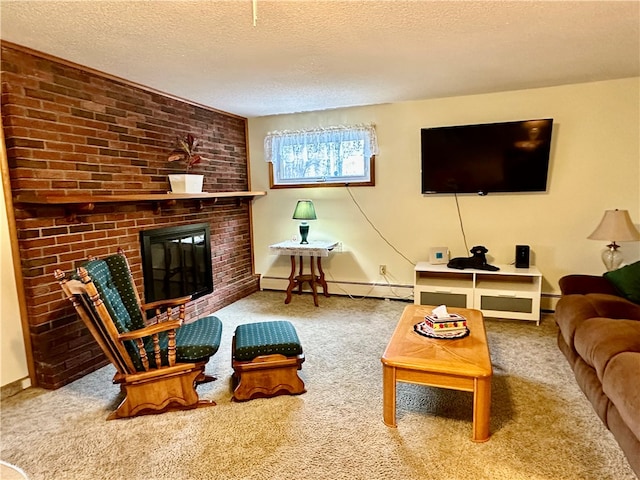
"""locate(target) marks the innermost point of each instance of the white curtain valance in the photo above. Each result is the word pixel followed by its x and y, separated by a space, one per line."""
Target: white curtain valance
pixel 275 141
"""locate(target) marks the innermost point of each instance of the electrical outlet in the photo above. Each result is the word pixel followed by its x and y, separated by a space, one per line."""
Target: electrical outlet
pixel 382 269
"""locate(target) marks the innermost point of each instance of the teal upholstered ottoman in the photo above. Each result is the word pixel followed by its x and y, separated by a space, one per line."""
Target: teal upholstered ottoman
pixel 266 357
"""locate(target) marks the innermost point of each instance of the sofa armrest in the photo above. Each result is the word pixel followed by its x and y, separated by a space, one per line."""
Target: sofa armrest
pixel 615 307
pixel 583 284
pixel 573 310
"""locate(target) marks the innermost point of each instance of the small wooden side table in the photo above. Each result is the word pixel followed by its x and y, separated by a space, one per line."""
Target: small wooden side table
pixel 315 250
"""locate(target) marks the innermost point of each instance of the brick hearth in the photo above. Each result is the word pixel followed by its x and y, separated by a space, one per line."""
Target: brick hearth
pixel 70 130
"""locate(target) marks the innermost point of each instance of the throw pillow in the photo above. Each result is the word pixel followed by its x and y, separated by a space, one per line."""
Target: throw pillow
pixel 627 281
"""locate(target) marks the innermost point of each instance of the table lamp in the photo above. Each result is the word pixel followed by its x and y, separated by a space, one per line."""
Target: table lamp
pixel 304 211
pixel 615 226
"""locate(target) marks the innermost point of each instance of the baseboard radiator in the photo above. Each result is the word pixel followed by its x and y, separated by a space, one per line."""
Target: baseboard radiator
pixel 391 291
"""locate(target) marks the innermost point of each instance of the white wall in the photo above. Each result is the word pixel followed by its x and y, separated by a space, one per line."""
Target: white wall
pixel 12 352
pixel 595 165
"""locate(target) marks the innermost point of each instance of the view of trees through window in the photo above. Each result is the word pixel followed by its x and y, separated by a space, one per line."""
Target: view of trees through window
pixel 323 161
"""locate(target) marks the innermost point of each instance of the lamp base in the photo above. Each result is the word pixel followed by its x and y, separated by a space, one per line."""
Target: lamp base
pixel 304 232
pixel 611 258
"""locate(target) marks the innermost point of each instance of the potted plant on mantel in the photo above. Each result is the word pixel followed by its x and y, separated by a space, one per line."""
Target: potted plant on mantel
pixel 185 151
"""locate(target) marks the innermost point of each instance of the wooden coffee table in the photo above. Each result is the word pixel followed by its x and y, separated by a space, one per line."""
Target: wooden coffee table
pixel 458 364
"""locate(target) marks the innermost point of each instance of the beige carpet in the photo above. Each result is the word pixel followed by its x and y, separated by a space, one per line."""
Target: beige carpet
pixel 542 426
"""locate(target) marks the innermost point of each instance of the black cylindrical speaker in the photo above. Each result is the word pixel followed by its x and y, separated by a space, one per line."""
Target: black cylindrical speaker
pixel 522 256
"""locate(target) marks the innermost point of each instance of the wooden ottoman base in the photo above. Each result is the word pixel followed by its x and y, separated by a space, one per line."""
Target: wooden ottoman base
pixel 267 376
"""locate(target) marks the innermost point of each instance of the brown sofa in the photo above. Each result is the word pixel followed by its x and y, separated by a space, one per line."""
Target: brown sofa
pixel 599 333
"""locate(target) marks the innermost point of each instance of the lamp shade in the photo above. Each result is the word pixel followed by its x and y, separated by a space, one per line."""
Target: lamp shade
pixel 616 226
pixel 304 210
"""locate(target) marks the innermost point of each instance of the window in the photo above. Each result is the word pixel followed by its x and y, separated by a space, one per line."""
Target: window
pixel 333 156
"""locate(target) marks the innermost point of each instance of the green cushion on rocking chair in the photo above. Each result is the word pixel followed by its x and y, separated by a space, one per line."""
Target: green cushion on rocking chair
pixel 199 340
pixel 195 341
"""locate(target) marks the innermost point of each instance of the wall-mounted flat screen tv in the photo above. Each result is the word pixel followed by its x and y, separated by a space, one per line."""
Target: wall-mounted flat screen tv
pixel 486 158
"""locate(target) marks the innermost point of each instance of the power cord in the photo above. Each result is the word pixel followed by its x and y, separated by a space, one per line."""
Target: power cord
pixel 374 227
pixel 464 237
pixel 455 195
pixel 394 292
pixel 366 295
pixel 396 296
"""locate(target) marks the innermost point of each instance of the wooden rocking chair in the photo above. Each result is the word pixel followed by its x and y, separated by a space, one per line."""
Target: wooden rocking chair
pixel 158 362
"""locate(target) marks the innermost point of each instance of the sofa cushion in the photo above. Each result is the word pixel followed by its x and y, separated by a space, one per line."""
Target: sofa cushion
pixel 598 340
pixel 627 281
pixel 620 378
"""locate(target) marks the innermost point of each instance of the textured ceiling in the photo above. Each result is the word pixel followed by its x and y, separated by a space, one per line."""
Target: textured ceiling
pixel 316 55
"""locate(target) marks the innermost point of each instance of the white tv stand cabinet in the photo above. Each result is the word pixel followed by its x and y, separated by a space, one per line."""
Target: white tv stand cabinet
pixel 507 293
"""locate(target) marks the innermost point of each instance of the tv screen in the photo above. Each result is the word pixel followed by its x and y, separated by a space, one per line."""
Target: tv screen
pixel 485 158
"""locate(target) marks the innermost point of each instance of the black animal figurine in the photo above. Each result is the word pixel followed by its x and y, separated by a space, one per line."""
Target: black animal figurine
pixel 477 261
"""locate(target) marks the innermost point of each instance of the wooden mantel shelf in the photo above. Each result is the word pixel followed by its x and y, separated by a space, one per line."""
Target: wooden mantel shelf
pixel 127 198
pixel 86 203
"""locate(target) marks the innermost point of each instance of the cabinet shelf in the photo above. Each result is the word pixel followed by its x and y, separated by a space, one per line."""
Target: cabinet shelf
pixel 508 284
pixel 506 293
pixel 442 281
pixel 76 204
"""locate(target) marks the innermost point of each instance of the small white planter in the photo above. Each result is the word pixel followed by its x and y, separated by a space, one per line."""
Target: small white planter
pixel 186 183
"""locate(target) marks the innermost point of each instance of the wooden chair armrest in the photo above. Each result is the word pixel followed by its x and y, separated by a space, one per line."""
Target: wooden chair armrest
pixel 172 302
pixel 151 330
pixel 165 310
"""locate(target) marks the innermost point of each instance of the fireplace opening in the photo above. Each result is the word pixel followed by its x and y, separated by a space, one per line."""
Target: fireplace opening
pixel 176 261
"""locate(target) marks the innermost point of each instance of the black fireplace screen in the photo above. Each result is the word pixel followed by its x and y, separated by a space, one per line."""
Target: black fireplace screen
pixel 176 261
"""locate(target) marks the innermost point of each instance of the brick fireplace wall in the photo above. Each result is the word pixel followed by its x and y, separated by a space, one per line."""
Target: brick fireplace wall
pixel 69 131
